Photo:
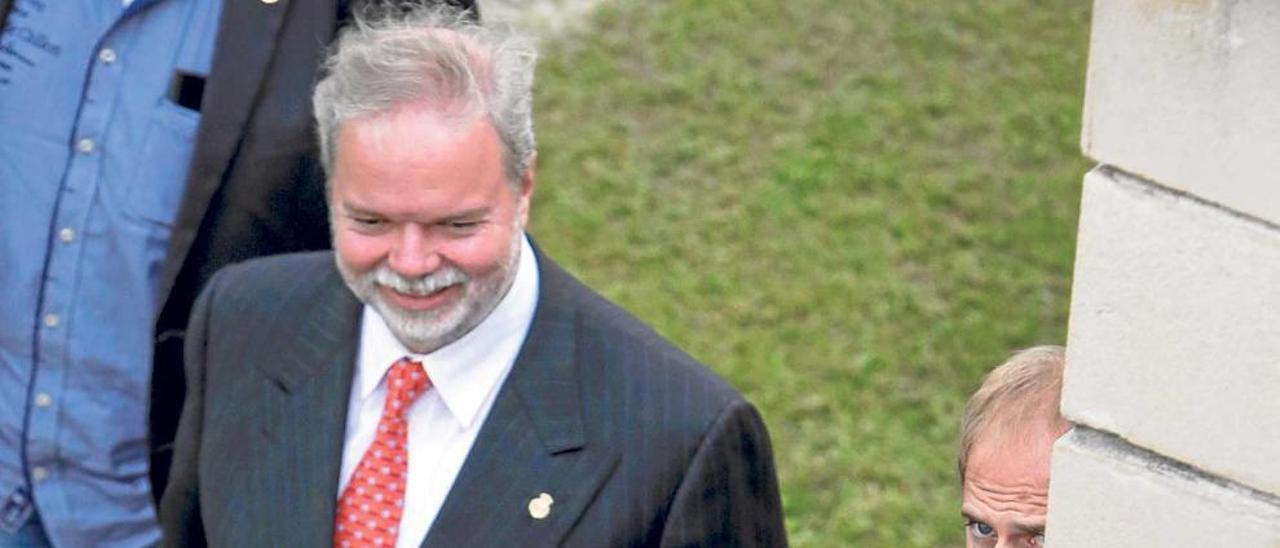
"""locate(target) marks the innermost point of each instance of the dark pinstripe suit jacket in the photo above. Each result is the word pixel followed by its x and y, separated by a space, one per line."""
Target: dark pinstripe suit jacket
pixel 637 444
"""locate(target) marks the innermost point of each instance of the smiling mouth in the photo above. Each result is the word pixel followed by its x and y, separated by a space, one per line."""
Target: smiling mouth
pixel 419 301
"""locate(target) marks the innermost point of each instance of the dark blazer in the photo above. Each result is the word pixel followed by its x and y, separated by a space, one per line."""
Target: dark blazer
pixel 255 187
pixel 637 444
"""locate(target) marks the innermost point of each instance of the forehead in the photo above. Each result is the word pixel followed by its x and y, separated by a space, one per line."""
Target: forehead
pixel 417 138
pixel 418 161
pixel 1021 453
pixel 989 497
pixel 419 128
pixel 1007 478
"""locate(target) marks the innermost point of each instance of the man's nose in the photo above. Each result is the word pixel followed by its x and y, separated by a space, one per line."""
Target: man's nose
pixel 414 253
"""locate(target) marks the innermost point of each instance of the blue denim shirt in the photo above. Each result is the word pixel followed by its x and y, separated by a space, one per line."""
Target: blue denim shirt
pixel 93 157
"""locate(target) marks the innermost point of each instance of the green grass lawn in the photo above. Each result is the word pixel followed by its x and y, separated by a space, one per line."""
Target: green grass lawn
pixel 850 209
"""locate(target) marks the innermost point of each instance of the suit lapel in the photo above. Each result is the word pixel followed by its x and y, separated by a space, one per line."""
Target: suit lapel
pixel 533 442
pixel 305 415
pixel 247 36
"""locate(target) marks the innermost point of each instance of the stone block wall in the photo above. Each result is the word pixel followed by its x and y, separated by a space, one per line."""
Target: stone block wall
pixel 1173 360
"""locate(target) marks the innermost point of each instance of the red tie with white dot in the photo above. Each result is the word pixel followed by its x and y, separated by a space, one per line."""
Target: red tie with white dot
pixel 370 506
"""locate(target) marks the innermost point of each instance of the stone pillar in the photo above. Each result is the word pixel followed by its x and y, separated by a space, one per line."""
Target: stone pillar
pixel 1173 360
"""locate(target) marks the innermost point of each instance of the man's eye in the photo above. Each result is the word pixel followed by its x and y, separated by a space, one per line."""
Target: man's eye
pixel 979 529
pixel 368 225
pixel 462 225
pixel 1038 541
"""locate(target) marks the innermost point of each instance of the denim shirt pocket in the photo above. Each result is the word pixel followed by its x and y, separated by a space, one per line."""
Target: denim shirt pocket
pixel 155 191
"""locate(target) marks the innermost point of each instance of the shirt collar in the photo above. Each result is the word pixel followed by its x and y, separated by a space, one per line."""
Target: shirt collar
pixel 467 370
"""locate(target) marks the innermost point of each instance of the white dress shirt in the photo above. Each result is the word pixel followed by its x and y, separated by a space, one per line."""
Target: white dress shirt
pixel 443 423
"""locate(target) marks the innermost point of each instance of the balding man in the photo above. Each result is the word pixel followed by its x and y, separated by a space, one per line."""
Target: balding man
pixel 1006 439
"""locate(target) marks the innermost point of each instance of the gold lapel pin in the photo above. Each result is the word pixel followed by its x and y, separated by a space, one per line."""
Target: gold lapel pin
pixel 540 506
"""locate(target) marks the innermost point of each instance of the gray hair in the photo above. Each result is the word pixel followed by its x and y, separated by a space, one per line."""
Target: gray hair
pixel 1026 387
pixel 399 53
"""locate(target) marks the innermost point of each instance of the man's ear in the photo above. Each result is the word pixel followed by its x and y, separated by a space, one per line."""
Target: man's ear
pixel 526 192
pixel 526 182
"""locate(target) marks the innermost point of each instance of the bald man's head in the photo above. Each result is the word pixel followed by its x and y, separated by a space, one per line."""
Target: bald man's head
pixel 1006 439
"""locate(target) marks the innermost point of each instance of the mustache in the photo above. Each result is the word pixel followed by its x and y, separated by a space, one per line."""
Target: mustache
pixel 425 285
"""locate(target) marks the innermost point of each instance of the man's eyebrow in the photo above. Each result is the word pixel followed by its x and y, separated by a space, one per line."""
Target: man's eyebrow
pixel 1022 526
pixel 352 209
pixel 482 211
pixel 468 214
pixel 1029 528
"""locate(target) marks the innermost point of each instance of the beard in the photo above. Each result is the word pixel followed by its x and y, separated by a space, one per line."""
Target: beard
pixel 424 331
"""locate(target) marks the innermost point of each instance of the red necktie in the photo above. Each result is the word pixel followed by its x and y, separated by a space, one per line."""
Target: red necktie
pixel 370 506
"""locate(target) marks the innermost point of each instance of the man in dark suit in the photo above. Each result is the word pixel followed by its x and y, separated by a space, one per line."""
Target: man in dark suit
pixel 255 186
pixel 437 381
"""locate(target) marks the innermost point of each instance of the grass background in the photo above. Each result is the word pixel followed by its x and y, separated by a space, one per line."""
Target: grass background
pixel 851 209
